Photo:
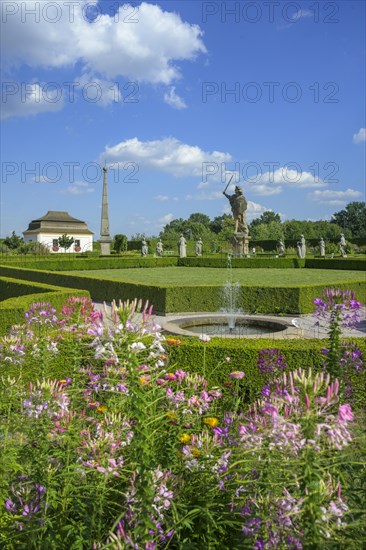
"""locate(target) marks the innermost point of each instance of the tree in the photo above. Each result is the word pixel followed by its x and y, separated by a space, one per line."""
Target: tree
pixel 352 217
pixel 65 242
pixel 200 218
pixel 14 241
pixel 267 217
pixel 120 243
pixel 221 223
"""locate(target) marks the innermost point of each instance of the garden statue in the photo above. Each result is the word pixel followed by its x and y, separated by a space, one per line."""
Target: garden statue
pixel 322 248
pixel 281 248
pixel 182 249
pixel 239 206
pixel 298 249
pixel 253 251
pixel 159 248
pixel 342 246
pixel 199 244
pixel 240 238
pixel 144 248
pixel 302 246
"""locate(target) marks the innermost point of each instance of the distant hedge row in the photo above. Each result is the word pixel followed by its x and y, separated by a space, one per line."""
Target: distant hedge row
pixel 16 297
pixel 281 263
pixel 109 262
pixel 243 354
pixel 170 299
pixel 81 264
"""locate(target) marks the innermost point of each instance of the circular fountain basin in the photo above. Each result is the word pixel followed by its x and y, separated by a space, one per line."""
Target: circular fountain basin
pixel 221 326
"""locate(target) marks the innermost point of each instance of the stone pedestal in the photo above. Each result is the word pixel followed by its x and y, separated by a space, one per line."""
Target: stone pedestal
pixel 105 247
pixel 240 242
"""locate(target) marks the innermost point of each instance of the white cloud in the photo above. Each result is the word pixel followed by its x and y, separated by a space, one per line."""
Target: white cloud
pixel 167 155
pixel 166 219
pixel 272 182
pixel 28 100
pixel 335 198
pixel 143 43
pixel 174 100
pixel 360 136
pixel 98 90
pixel 203 185
pixel 78 188
pixel 161 198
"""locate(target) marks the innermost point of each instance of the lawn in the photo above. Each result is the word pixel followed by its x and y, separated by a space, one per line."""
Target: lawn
pixel 212 276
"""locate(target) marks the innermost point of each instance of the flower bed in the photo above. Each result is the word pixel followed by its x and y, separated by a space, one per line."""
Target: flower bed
pixel 129 450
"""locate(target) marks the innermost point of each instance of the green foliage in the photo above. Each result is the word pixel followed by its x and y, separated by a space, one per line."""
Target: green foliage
pixel 16 296
pixel 353 218
pixel 65 241
pixel 81 263
pixel 243 355
pixel 254 263
pixel 120 243
pixel 14 241
pixel 353 264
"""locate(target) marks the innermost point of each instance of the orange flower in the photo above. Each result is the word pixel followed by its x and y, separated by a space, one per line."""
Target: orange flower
pixel 102 409
pixel 172 341
pixel 144 380
pixel 211 421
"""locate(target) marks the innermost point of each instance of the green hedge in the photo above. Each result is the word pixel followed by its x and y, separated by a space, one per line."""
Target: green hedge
pixel 17 296
pixel 170 299
pixel 254 299
pixel 336 263
pixel 243 355
pixel 242 262
pixel 99 289
pixel 81 264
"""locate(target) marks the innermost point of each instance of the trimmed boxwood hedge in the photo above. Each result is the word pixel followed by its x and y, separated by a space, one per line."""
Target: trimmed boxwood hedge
pixel 170 299
pixel 243 262
pixel 336 263
pixel 100 289
pixel 243 355
pixel 81 264
pixel 17 296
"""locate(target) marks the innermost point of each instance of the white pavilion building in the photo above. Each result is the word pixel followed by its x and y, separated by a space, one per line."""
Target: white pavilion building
pixel 47 229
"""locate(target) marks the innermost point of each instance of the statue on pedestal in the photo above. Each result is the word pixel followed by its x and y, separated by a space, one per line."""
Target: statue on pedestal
pixel 322 248
pixel 144 248
pixel 281 248
pixel 182 247
pixel 199 244
pixel 159 248
pixel 239 205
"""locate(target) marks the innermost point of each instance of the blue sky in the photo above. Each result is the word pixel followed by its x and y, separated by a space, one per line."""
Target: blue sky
pixel 177 97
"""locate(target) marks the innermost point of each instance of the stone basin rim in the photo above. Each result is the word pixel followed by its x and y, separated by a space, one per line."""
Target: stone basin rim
pixel 179 324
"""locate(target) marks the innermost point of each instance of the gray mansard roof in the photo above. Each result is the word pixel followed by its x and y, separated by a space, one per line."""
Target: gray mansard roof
pixel 57 222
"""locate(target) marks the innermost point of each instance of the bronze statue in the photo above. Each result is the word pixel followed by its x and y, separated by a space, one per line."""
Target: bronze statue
pixel 239 206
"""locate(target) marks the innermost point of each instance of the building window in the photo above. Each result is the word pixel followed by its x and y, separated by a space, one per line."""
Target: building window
pixel 77 242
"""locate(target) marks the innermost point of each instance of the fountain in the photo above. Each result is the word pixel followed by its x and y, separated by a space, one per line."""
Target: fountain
pixel 230 322
pixel 231 297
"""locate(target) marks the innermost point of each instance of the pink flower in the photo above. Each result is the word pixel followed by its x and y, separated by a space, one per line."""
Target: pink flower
pixel 345 413
pixel 237 374
pixel 204 338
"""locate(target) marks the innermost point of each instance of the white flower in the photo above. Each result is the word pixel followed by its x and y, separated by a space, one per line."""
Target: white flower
pixel 138 346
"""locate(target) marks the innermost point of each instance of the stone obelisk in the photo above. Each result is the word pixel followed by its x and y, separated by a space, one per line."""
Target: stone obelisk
pixel 105 237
